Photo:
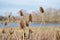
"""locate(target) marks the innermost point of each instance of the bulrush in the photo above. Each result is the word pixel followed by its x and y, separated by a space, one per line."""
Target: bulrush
pixel 30 34
pixel 3 31
pixel 22 24
pixel 9 15
pixel 5 34
pixel 30 19
pixel 11 31
pixel 57 35
pixel 5 23
pixel 21 13
pixel 27 34
pixel 27 24
pixel 41 10
pixel 42 15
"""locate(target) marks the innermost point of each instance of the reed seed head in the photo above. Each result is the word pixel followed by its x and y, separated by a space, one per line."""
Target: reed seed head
pixel 5 23
pixel 30 31
pixel 10 14
pixel 41 10
pixel 30 17
pixel 3 31
pixel 27 24
pixel 11 31
pixel 21 13
pixel 22 24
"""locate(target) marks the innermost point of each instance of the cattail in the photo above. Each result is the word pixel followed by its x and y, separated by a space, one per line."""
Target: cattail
pixel 3 31
pixel 57 35
pixel 30 34
pixel 41 10
pixel 5 23
pixel 10 15
pixel 11 31
pixel 22 24
pixel 30 31
pixel 27 24
pixel 21 13
pixel 30 17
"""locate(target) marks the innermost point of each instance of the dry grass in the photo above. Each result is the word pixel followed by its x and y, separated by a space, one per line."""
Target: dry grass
pixel 34 33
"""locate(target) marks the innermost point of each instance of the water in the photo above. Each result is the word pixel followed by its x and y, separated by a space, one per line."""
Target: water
pixel 32 24
pixel 10 25
pixel 46 24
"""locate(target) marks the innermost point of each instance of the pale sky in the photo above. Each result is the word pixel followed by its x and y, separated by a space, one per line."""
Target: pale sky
pixel 28 5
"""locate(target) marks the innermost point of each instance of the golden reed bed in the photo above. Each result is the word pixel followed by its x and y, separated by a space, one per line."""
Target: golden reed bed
pixel 35 33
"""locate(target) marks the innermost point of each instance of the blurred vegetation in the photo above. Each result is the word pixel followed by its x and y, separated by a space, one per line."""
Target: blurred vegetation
pixel 50 16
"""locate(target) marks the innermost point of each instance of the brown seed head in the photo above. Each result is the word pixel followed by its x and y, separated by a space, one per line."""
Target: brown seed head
pixel 21 13
pixel 5 23
pixel 22 24
pixel 27 24
pixel 30 17
pixel 3 31
pixel 30 31
pixel 41 10
pixel 11 31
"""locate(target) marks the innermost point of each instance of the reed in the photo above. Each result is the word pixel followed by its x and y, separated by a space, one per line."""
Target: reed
pixel 27 24
pixel 30 17
pixel 57 35
pixel 11 31
pixel 42 15
pixel 9 15
pixel 40 33
pixel 41 10
pixel 21 13
pixel 22 24
pixel 5 23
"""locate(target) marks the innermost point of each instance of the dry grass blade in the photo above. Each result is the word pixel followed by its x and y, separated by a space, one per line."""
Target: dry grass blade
pixel 41 10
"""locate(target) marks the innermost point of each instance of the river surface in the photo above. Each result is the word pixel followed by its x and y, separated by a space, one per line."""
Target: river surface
pixel 32 24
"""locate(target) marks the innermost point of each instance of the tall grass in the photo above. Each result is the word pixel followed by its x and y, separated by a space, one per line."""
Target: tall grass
pixel 41 33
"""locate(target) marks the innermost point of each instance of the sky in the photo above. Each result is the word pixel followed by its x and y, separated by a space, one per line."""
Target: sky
pixel 28 5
